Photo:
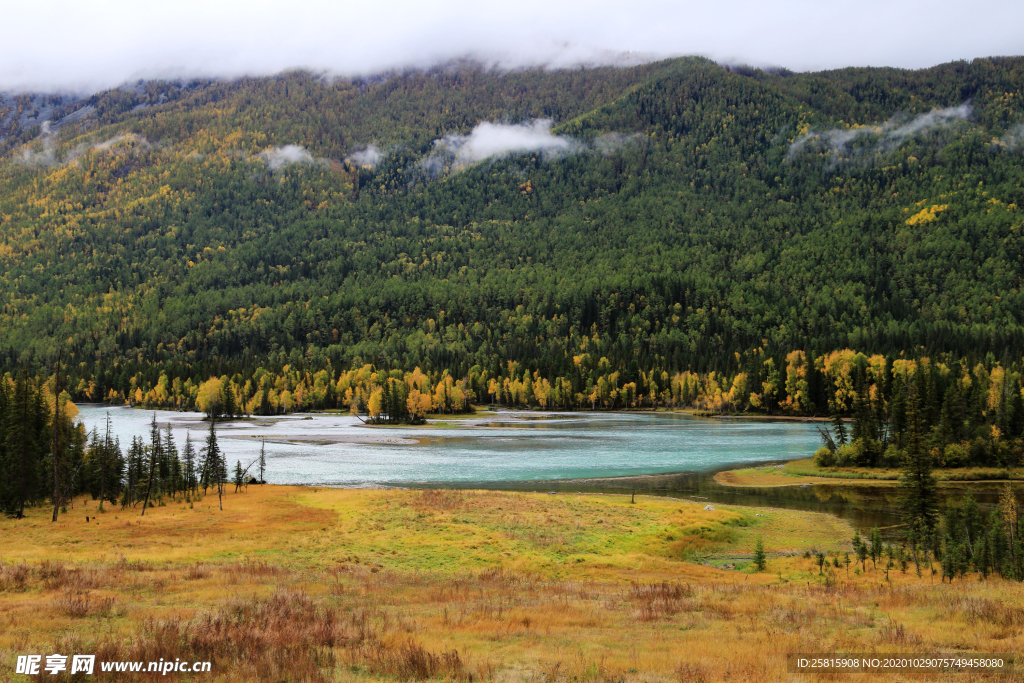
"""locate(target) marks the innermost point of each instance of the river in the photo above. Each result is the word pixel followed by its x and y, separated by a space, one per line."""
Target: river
pixel 667 454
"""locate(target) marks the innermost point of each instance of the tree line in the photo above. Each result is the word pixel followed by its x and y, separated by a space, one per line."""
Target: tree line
pixel 37 468
pixel 959 412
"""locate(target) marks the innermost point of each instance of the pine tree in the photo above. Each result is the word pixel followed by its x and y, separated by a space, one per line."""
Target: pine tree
pixel 861 548
pixel 876 546
pixel 228 394
pixel 56 454
pixel 238 475
pixel 110 467
pixel 175 483
pixel 156 451
pixel 135 472
pixel 760 558
pixel 189 457
pixel 5 458
pixel 920 496
pixel 1008 510
pixel 839 427
pixel 214 464
pixel 26 442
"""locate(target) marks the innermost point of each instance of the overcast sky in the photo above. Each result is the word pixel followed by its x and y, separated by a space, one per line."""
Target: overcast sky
pixel 76 45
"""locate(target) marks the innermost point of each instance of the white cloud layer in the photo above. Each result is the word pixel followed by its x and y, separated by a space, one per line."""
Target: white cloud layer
pixel 1013 139
pixel 493 140
pixel 42 151
pixel 85 46
pixel 279 157
pixel 370 156
pixel 837 141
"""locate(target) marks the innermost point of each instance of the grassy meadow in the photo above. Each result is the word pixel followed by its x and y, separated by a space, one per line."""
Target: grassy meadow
pixel 799 472
pixel 304 584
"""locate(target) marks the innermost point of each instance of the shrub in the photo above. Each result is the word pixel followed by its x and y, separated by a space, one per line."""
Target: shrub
pixel 955 455
pixel 848 454
pixel 893 457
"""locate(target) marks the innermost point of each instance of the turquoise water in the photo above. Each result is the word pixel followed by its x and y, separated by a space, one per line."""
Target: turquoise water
pixel 336 450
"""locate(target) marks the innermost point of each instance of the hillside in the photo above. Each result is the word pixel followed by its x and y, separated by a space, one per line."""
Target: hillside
pixel 676 216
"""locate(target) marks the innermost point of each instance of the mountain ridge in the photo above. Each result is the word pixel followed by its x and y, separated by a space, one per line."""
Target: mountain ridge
pixel 166 221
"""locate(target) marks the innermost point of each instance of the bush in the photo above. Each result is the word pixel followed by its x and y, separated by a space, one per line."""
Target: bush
pixel 849 454
pixel 979 452
pixel 893 457
pixel 824 457
pixel 955 455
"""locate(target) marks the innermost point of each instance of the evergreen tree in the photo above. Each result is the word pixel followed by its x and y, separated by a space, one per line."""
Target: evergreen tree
pixel 190 466
pixel 110 467
pixel 861 548
pixel 760 559
pixel 57 451
pixel 919 489
pixel 175 481
pixel 214 464
pixel 876 546
pixel 26 446
pixel 136 473
pixel 229 406
pixel 156 457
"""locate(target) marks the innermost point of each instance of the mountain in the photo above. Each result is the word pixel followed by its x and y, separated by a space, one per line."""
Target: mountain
pixel 681 215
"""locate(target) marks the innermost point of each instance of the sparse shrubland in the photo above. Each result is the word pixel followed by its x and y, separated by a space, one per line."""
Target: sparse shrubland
pixel 291 584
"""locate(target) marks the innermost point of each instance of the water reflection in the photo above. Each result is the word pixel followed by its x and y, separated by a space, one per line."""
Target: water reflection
pixel 864 505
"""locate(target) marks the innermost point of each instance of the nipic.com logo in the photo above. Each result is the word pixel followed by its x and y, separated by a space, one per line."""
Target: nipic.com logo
pixel 30 664
pixel 39 665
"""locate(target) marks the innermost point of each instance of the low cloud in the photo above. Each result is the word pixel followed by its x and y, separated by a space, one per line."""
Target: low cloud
pixel 494 141
pixel 279 157
pixel 936 118
pixel 1011 140
pixel 370 156
pixel 128 139
pixel 838 143
pixel 40 153
pixel 490 141
pixel 233 39
pixel 609 143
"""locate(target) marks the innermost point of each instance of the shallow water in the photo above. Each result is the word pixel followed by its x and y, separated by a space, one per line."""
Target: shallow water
pixel 323 449
pixel 611 453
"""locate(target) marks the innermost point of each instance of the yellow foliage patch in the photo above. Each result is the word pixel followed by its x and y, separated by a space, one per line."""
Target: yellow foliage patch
pixel 927 215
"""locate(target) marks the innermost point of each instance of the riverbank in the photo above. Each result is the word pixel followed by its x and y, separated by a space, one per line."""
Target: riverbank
pixel 315 584
pixel 804 473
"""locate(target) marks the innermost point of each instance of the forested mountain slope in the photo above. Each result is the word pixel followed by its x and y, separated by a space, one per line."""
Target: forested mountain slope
pixel 680 216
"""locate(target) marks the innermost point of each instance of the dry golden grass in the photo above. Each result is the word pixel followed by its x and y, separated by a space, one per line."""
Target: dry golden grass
pixel 295 584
